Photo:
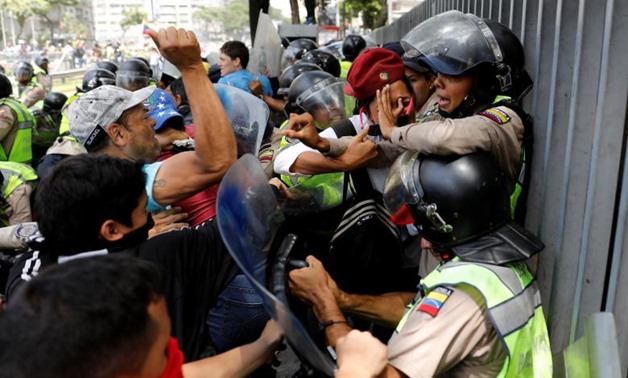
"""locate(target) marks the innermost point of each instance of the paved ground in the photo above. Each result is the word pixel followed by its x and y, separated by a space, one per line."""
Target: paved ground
pixel 289 363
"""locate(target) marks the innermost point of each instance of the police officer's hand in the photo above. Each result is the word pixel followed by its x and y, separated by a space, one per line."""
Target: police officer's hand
pixel 388 111
pixel 255 87
pixel 360 151
pixel 179 46
pixel 303 128
pixel 310 284
pixel 360 355
pixel 168 220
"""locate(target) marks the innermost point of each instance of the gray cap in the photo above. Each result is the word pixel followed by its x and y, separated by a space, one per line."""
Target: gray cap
pixel 91 113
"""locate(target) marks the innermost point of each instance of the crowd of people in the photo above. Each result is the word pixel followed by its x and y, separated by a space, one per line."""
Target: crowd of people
pixel 402 169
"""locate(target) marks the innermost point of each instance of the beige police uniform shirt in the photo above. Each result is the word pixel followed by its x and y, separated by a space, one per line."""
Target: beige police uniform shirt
pixel 20 201
pixel 31 95
pixel 8 127
pixel 459 341
pixel 498 131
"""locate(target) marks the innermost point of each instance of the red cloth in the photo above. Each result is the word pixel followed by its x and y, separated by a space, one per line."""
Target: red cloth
pixel 200 206
pixel 174 366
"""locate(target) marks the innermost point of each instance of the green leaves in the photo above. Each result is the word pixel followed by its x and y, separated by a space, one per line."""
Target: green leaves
pixel 132 16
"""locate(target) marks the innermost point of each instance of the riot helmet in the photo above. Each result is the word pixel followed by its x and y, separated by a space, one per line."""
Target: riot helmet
pixel 320 94
pixel 513 61
pixel 456 44
pixel 6 89
pixel 290 73
pixel 54 101
pixel 150 70
pixel 133 74
pixel 42 61
pixel 457 200
pixel 95 78
pixel 352 45
pixel 107 65
pixel 325 60
pixel 296 50
pixel 23 71
pixel 334 48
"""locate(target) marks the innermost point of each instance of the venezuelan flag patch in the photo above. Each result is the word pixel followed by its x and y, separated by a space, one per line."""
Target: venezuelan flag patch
pixel 434 300
pixel 496 115
pixel 266 156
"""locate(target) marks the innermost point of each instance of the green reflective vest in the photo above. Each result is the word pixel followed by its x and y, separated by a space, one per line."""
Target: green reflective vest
pixel 349 101
pixel 513 304
pixel 64 127
pixel 327 187
pixel 344 68
pixel 15 174
pixel 21 151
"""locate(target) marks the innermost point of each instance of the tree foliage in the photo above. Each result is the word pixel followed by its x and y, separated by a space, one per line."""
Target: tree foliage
pixel 132 16
pixel 74 26
pixel 23 9
pixel 374 12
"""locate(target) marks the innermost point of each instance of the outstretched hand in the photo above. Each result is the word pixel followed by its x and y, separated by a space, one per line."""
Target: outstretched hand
pixel 360 151
pixel 303 128
pixel 387 115
pixel 179 46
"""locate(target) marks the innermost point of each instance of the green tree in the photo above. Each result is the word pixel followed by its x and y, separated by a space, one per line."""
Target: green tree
pixel 74 26
pixel 208 17
pixel 374 12
pixel 53 5
pixel 130 17
pixel 234 18
pixel 22 10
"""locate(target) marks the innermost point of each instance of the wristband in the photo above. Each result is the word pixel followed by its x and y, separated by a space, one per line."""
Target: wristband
pixel 328 323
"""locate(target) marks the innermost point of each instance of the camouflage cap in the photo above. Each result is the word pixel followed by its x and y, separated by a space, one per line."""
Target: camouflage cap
pixel 90 114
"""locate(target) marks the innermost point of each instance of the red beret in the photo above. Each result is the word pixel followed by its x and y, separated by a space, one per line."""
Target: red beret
pixel 372 70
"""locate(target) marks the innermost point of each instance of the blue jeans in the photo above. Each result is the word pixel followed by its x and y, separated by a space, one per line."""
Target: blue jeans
pixel 238 317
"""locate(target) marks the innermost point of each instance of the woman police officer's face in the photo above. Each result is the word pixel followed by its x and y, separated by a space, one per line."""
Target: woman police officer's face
pixel 452 90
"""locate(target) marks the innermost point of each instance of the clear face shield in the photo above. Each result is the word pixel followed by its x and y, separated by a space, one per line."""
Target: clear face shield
pixel 335 49
pixel 325 101
pixel 404 196
pixel 400 188
pixel 452 42
pixel 290 55
pixel 132 80
pixel 23 74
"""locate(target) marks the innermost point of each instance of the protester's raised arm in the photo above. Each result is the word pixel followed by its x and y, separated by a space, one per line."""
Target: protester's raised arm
pixel 187 173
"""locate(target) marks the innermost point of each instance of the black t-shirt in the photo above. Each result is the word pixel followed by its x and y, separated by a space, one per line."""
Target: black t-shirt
pixel 195 265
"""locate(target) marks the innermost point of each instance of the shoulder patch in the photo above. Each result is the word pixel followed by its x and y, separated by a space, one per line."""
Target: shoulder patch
pixel 266 156
pixel 498 116
pixel 434 300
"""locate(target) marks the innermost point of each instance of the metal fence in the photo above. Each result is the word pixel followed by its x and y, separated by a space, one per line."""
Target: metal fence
pixel 577 53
